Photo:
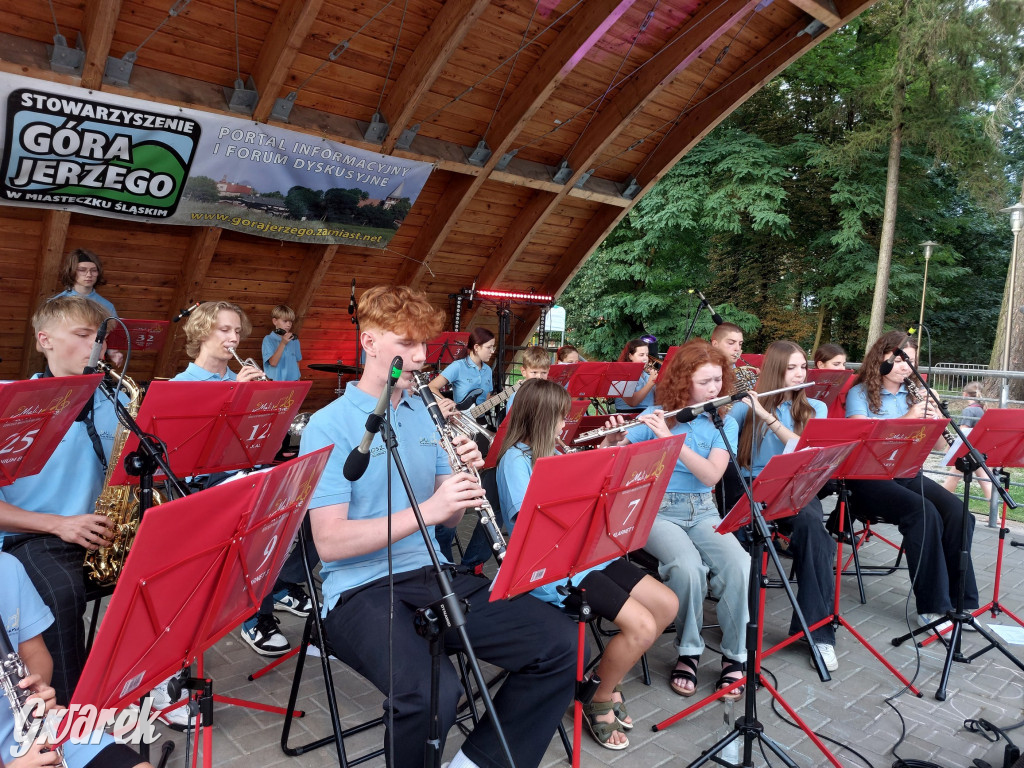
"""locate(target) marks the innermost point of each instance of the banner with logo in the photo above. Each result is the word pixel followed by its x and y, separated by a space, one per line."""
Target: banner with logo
pixel 108 155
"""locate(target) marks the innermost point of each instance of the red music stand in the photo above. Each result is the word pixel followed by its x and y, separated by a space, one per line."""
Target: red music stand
pixel 577 410
pixel 597 379
pixel 999 436
pixel 143 335
pixel 447 348
pixel 829 383
pixel 669 354
pixel 588 423
pixel 35 414
pixel 605 513
pixel 785 485
pixel 199 566
pixel 887 449
pixel 216 426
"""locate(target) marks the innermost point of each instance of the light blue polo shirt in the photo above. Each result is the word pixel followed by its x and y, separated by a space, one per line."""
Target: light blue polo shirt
pixel 26 616
pixel 342 424
pixel 514 472
pixel 288 367
pixel 73 476
pixel 894 406
pixel 107 306
pixel 464 377
pixel 771 445
pixel 195 373
pixel 647 402
pixel 701 436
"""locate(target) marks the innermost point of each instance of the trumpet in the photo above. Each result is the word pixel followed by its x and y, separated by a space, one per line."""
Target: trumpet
pixel 691 411
pixel 653 365
pixel 250 363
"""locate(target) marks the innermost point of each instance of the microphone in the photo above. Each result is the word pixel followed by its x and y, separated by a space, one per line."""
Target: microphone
pixel 352 302
pixel 97 349
pixel 714 315
pixel 359 458
pixel 186 312
pixel 692 412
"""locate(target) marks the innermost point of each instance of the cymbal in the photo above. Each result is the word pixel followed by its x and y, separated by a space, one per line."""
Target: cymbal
pixel 336 368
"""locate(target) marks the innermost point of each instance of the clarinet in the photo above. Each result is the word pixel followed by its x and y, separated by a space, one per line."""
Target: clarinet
pixel 12 672
pixel 447 435
pixel 915 392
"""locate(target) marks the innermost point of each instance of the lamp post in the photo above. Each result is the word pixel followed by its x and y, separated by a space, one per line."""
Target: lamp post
pixel 928 246
pixel 1016 224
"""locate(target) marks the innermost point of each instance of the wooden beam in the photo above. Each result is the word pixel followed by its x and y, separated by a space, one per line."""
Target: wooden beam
pixel 581 34
pixel 698 34
pixel 822 10
pixel 597 229
pixel 45 282
pixel 457 195
pixel 307 281
pixel 444 37
pixel 573 43
pixel 201 248
pixel 97 34
pixel 718 105
pixel 290 28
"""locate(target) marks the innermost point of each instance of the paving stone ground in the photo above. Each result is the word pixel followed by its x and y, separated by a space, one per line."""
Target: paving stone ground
pixel 851 709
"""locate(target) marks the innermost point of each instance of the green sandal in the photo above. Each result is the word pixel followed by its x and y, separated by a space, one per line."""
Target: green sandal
pixel 601 731
pixel 619 708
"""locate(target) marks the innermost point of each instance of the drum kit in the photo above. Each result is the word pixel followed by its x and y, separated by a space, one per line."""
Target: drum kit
pixel 338 369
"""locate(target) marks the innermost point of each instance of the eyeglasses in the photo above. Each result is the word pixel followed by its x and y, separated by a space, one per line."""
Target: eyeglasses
pixel 87 271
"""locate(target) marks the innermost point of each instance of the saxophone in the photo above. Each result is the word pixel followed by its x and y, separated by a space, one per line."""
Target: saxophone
pixel 118 503
pixel 448 431
pixel 915 392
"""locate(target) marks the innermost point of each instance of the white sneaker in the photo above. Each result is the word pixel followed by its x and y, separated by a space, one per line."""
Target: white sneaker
pixel 828 655
pixel 924 619
pixel 178 718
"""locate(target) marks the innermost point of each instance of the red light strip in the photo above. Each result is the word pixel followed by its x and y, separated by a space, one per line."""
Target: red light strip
pixel 515 296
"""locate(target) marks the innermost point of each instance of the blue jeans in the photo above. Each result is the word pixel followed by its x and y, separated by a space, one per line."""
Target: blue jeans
pixel 695 560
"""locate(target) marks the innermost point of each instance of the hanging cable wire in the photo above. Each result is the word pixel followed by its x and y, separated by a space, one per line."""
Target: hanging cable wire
pixel 394 54
pixel 611 84
pixel 583 110
pixel 686 107
pixel 515 59
pixel 501 64
pixel 174 10
pixel 238 55
pixel 341 47
pixel 53 13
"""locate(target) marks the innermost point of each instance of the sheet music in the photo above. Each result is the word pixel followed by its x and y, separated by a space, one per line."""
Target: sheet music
pixel 947 458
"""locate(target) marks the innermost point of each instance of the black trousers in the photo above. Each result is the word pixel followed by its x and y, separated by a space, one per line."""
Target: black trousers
pixel 813 551
pixel 930 519
pixel 57 572
pixel 533 640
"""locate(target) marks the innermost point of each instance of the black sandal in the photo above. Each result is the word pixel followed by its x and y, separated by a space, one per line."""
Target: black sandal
pixel 686 675
pixel 732 671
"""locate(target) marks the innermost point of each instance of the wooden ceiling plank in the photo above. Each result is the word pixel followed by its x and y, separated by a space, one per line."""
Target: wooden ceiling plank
pixel 288 32
pixel 311 274
pixel 45 282
pixel 195 266
pixel 579 36
pixel 436 47
pixel 457 195
pixel 696 36
pixel 97 33
pixel 822 10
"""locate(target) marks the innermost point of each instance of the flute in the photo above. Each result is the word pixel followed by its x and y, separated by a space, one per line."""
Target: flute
pixel 692 411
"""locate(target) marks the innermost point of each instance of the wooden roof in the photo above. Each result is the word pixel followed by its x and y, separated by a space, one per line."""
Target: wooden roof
pixel 622 88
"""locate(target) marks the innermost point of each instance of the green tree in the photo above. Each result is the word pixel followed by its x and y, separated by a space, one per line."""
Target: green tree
pixel 202 189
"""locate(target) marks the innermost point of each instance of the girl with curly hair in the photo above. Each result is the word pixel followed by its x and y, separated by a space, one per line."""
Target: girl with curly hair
pixel 694 559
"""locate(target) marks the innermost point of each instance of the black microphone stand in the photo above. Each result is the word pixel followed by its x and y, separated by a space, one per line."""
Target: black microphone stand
pixel 432 620
pixel 748 727
pixel 958 616
pixel 700 305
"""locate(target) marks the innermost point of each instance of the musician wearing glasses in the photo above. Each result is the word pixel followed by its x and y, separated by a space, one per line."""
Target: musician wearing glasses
pixel 352 522
pixel 213 332
pixel 80 273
